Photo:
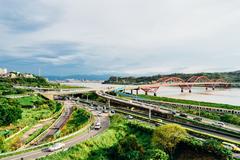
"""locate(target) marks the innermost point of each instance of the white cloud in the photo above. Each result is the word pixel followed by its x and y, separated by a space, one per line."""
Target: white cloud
pixel 134 37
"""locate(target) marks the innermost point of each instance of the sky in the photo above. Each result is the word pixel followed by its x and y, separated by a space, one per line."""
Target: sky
pixel 128 37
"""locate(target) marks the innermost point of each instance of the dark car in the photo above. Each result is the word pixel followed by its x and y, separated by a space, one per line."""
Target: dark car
pixel 183 115
pixel 197 119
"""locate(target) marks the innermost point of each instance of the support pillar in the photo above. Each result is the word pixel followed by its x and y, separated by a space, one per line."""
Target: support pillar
pixel 190 91
pixel 155 94
pixel 109 104
pixel 131 91
pixel 137 92
pixel 182 90
pixel 146 93
pixel 150 114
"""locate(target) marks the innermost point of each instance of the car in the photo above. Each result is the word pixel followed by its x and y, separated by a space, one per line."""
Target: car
pixel 183 115
pixel 218 124
pixel 97 126
pixel 173 112
pixel 157 124
pixel 112 112
pixel 231 146
pixel 55 147
pixel 129 116
pixel 197 119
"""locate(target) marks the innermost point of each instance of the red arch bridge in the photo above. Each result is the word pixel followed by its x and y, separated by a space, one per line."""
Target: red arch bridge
pixel 199 81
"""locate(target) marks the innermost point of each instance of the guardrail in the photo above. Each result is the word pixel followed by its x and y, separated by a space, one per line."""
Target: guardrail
pixel 62 139
pixel 15 134
pixel 203 126
pixel 44 132
pixel 194 132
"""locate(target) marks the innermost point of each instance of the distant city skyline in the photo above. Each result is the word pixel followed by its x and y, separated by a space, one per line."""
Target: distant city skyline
pixel 137 37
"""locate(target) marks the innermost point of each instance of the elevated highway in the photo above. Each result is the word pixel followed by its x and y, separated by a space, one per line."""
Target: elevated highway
pixel 166 112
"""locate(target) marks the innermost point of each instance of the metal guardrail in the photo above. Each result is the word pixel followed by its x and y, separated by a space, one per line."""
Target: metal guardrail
pixel 23 150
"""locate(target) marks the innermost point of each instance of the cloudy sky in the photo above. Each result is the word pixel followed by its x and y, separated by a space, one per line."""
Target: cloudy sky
pixel 133 37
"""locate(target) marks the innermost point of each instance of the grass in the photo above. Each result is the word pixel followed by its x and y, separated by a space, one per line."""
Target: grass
pixel 30 116
pixel 79 118
pixel 83 151
pixel 101 147
pixel 190 102
pixel 36 133
pixel 30 101
pixel 63 86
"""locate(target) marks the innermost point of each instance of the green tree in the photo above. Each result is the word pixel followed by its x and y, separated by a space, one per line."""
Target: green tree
pixel 156 154
pixel 129 149
pixel 217 149
pixel 2 145
pixel 9 114
pixel 168 136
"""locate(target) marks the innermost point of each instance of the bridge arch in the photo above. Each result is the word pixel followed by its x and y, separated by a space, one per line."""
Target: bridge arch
pixel 170 80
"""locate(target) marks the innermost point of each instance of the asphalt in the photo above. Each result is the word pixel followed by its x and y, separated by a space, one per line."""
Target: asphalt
pixel 60 122
pixel 69 143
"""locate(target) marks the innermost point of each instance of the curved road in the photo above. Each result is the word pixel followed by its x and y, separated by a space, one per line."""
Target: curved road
pixel 60 122
pixel 69 143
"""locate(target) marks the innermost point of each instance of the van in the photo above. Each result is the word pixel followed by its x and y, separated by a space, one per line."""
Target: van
pixel 97 125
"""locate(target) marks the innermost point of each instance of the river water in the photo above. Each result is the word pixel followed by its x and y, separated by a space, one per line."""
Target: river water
pixel 219 95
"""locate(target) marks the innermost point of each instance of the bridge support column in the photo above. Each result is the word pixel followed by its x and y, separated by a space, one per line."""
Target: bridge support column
pixel 131 91
pixel 150 114
pixel 155 94
pixel 109 104
pixel 146 93
pixel 182 90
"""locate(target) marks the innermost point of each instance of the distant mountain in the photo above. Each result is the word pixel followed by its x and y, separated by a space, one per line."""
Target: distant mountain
pixel 228 76
pixel 79 77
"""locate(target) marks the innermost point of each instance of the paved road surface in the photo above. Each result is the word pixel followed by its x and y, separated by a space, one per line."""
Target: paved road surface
pixel 69 143
pixel 60 122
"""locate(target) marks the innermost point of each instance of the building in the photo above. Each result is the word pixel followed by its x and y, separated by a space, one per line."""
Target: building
pixel 3 71
pixel 28 75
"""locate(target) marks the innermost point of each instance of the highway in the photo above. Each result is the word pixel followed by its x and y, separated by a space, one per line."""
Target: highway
pixel 157 108
pixel 60 122
pixel 69 143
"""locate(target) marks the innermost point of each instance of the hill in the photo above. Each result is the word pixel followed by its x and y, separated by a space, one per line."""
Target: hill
pixel 228 76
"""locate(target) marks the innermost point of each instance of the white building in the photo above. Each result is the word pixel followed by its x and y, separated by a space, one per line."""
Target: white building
pixel 3 71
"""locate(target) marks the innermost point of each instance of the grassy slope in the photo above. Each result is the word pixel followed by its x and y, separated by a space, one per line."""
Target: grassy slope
pixel 191 102
pixel 98 148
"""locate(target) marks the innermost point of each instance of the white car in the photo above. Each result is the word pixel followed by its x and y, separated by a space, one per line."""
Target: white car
pixel 56 147
pixel 97 125
pixel 130 117
pixel 219 124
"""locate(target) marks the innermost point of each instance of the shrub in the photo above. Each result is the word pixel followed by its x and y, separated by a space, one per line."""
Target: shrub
pixel 156 154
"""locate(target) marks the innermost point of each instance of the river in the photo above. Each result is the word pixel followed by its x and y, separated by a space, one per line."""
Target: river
pixel 219 95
